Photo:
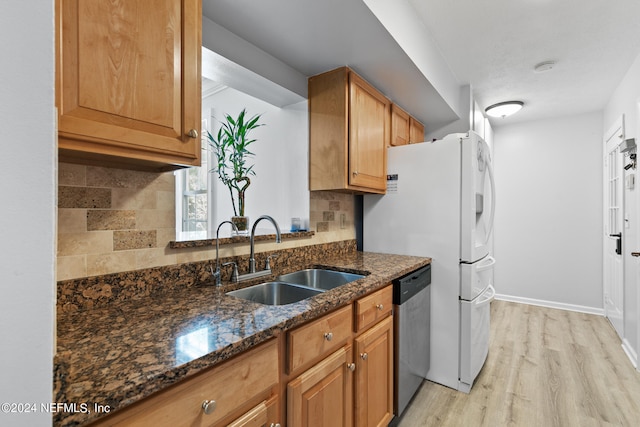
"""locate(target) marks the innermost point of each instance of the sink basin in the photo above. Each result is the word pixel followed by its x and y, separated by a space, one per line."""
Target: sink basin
pixel 319 278
pixel 275 293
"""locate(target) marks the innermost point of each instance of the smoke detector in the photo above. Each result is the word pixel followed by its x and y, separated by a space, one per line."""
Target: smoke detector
pixel 544 66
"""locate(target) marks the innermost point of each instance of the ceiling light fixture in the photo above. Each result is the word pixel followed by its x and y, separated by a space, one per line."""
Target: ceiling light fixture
pixel 504 109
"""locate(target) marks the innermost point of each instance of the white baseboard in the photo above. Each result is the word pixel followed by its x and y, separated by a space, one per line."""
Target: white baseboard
pixel 552 304
pixel 630 352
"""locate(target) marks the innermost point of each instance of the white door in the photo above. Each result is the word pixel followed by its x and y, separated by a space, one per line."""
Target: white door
pixel 613 262
pixel 478 198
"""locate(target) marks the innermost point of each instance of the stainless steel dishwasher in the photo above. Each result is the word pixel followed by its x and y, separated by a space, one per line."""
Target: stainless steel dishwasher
pixel 412 304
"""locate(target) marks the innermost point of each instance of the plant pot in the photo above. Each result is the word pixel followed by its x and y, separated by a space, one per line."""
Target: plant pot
pixel 242 224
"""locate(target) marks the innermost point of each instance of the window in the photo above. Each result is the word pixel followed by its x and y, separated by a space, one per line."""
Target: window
pixel 193 196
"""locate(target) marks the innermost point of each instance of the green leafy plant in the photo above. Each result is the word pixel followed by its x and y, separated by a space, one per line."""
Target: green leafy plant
pixel 231 148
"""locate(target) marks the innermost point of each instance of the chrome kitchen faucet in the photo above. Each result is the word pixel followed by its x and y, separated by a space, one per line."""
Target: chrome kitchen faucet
pixel 252 261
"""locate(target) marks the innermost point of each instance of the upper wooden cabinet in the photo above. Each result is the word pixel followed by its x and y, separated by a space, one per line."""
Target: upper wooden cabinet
pixel 405 129
pixel 399 126
pixel 348 133
pixel 128 82
pixel 416 131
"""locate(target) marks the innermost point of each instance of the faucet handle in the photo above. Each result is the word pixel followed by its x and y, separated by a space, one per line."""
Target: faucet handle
pixel 234 274
pixel 267 264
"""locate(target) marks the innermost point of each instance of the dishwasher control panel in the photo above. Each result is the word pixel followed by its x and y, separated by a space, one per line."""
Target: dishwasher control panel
pixel 407 286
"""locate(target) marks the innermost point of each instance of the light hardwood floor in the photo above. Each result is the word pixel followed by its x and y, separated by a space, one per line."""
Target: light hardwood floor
pixel 545 368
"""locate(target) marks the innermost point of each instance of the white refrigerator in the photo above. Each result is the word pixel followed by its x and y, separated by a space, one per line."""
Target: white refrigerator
pixel 440 203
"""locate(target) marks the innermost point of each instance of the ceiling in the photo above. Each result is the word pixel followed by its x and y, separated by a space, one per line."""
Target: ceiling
pixel 492 45
pixel 495 44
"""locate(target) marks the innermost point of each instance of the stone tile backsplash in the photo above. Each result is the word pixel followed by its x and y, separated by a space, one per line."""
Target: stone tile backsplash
pixel 103 212
pixel 331 212
pixel 113 221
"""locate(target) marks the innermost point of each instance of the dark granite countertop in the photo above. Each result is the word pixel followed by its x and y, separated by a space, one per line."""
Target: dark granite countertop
pixel 117 355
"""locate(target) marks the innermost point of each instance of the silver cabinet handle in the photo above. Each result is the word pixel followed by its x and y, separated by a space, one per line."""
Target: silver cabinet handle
pixel 364 356
pixel 380 307
pixel 192 133
pixel 208 406
pixel 351 366
pixel 328 336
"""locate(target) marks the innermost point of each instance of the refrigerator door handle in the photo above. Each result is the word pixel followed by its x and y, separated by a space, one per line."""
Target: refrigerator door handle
pixel 482 301
pixel 486 264
pixel 493 200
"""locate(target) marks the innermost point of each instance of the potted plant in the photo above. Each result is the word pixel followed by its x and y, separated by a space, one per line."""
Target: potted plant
pixel 231 148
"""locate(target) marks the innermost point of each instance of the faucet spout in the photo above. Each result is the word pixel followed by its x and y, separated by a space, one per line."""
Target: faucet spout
pixel 252 260
pixel 216 274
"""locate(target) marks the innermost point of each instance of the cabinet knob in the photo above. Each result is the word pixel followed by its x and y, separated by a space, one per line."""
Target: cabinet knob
pixel 208 406
pixel 364 356
pixel 192 133
pixel 355 173
pixel 328 336
pixel 275 424
pixel 351 366
pixel 380 307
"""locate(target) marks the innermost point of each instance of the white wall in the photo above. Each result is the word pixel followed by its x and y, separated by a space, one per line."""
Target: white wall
pixel 280 186
pixel 625 101
pixel 549 212
pixel 273 71
pixel 27 221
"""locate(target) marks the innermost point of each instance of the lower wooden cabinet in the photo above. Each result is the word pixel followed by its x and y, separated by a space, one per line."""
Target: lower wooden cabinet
pixel 214 397
pixel 335 371
pixel 262 415
pixel 374 375
pixel 310 342
pixel 323 395
pixel 372 308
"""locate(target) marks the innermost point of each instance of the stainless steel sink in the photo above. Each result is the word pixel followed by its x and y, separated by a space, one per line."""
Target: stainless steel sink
pixel 275 293
pixel 319 278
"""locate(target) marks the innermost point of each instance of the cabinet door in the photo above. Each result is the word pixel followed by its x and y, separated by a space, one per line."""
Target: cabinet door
pixel 374 375
pixel 323 395
pixel 128 81
pixel 369 118
pixel 416 132
pixel 399 126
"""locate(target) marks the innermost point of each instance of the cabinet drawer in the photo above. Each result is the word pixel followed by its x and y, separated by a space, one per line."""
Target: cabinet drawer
pixel 318 338
pixel 262 415
pixel 234 384
pixel 373 307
